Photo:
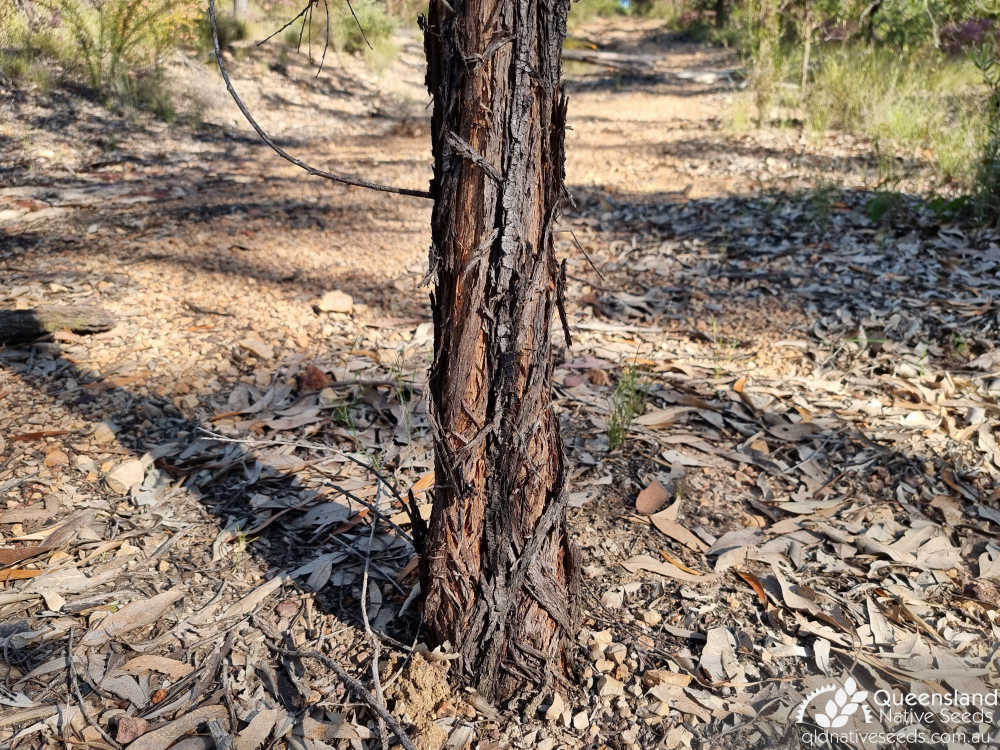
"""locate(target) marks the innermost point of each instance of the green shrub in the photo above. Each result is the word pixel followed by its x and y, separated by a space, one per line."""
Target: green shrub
pixel 28 57
pixel 230 30
pixel 115 38
pixel 917 99
pixel 584 10
pixel 369 34
pixel 627 402
pixel 371 17
pixel 987 187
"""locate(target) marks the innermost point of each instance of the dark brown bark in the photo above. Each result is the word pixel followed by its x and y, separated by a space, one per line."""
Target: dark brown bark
pixel 18 326
pixel 499 570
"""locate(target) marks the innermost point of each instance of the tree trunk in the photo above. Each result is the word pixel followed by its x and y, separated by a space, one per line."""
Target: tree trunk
pixel 499 571
pixel 721 15
pixel 807 35
pixel 240 8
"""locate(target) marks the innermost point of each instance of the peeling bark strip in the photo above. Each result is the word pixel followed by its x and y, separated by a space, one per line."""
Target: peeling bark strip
pixel 499 571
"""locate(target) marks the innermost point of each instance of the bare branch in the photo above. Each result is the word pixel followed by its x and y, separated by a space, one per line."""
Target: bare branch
pixel 326 40
pixel 360 28
pixel 293 20
pixel 353 181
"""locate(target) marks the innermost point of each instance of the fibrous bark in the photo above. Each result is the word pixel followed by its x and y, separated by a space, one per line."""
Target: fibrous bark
pixel 18 326
pixel 498 570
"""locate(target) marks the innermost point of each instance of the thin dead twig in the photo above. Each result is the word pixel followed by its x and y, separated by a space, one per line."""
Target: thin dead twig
pixel 308 446
pixel 295 18
pixel 360 27
pixel 79 698
pixel 356 687
pixel 375 644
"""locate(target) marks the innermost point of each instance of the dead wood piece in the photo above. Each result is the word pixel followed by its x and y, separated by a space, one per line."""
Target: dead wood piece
pixel 611 59
pixel 20 326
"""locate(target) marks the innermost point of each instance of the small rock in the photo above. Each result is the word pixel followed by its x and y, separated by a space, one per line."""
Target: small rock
pixel 56 458
pixel 256 345
pixel 85 464
pixel 679 738
pixel 612 599
pixel 601 637
pixel 654 677
pixel 617 652
pixel 335 301
pixel 129 728
pixel 603 665
pixel 556 708
pixel 52 600
pixel 661 708
pixel 91 734
pixel 596 651
pixel 104 433
pixel 651 617
pixel 607 686
pixel 547 744
pixel 581 721
pixel 126 476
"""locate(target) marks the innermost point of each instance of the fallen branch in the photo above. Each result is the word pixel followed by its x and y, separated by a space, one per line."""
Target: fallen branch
pixel 638 64
pixel 611 59
pixel 20 326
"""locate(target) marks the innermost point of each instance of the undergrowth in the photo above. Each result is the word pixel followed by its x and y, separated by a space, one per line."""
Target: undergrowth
pixel 908 99
pixel 584 10
pixel 118 47
pixel 367 32
pixel 986 199
pixel 627 402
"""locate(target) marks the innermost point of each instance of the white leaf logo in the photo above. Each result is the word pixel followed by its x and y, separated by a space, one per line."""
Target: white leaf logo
pixel 842 706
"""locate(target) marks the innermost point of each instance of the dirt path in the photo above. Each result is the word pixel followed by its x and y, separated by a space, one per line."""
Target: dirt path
pixel 821 401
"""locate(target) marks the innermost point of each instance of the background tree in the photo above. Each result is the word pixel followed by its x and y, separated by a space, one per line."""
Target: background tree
pixel 498 569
